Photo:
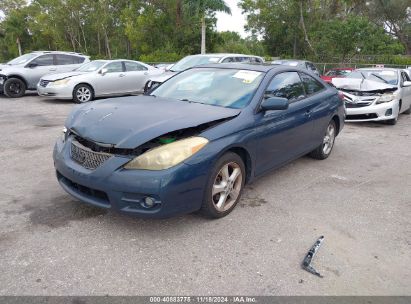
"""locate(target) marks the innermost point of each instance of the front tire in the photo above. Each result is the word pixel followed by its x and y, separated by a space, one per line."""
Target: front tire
pixel 324 150
pixel 408 111
pixel 83 93
pixel 224 186
pixel 14 88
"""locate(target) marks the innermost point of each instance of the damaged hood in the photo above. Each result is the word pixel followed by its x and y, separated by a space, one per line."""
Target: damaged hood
pixel 58 76
pixel 363 85
pixel 131 121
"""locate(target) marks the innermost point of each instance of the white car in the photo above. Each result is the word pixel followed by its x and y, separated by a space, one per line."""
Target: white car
pixel 195 60
pixel 375 94
pixel 98 78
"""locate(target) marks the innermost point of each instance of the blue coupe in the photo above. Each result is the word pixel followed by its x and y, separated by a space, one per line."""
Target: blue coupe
pixel 192 143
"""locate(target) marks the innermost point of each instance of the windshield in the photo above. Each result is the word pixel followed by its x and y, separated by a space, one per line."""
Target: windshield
pixel 229 88
pixel 337 72
pixel 384 76
pixel 191 61
pixel 22 59
pixel 91 66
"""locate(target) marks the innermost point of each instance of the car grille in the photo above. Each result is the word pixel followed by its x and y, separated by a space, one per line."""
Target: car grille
pixel 44 83
pixel 356 105
pixel 86 157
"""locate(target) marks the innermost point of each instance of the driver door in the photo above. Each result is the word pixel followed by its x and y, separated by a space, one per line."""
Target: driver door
pixel 283 135
pixel 38 67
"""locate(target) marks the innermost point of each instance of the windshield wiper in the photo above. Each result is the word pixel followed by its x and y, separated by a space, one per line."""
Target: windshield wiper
pixel 379 77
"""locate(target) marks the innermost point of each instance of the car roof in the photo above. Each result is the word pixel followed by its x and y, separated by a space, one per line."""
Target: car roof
pixel 244 66
pixel 224 55
pixel 342 69
pixel 378 69
pixel 59 52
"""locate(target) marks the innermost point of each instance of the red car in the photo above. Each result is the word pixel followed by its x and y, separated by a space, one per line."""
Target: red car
pixel 336 73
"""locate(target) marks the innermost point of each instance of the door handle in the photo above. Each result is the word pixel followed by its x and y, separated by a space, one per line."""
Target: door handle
pixel 308 113
pixel 52 69
pixel 145 73
pixel 122 75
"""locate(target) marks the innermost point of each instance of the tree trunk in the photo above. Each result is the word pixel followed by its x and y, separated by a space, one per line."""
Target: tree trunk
pixel 179 13
pixel 304 29
pixel 107 43
pixel 295 46
pixel 99 42
pixel 19 46
pixel 203 35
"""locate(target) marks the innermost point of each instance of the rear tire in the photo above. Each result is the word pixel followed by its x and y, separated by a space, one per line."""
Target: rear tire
pixel 324 150
pixel 224 187
pixel 14 88
pixel 83 93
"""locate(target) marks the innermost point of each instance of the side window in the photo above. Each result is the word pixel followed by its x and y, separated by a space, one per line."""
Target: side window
pixel 63 59
pixel 114 67
pixel 311 85
pixel 405 77
pixel 287 85
pixel 44 60
pixel 134 66
pixel 229 59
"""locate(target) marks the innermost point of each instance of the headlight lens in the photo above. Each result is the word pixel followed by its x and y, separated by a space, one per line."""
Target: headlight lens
pixel 385 98
pixel 61 82
pixel 167 156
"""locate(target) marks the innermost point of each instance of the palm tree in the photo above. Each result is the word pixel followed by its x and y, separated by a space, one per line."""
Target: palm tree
pixel 202 8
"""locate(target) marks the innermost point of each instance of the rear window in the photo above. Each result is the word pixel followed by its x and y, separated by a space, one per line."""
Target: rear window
pixel 134 66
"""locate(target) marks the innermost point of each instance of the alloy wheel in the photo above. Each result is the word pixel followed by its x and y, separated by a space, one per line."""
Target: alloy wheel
pixel 329 138
pixel 83 94
pixel 227 186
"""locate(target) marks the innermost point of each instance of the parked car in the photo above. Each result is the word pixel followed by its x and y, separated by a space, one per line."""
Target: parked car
pixel 374 94
pixel 336 73
pixel 193 142
pixel 97 79
pixel 195 60
pixel 303 64
pixel 24 72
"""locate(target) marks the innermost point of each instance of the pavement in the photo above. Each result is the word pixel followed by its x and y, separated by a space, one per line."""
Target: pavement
pixel 359 199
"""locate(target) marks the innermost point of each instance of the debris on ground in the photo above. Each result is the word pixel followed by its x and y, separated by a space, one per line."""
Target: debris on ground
pixel 306 265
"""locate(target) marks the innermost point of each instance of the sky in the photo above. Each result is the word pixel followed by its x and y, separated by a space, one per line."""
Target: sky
pixel 235 22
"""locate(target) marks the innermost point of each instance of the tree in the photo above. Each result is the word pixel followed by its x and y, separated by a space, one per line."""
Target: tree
pixel 202 8
pixel 395 17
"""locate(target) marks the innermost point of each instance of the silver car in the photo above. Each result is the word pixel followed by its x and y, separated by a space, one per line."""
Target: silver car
pixel 97 79
pixel 24 72
pixel 195 60
pixel 375 94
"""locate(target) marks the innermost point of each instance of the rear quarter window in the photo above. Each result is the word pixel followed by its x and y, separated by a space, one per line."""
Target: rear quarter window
pixel 311 85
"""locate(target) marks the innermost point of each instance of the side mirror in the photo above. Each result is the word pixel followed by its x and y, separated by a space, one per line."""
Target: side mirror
pixel 406 84
pixel 103 71
pixel 32 65
pixel 274 103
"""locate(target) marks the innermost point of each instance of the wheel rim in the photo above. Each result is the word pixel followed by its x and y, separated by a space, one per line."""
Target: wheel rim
pixel 83 94
pixel 329 137
pixel 227 186
pixel 15 88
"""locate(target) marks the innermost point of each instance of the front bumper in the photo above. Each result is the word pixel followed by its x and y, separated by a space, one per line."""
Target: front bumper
pixel 60 92
pixel 373 112
pixel 177 190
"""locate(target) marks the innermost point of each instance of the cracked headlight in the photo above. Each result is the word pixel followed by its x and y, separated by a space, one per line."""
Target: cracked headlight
pixel 167 156
pixel 61 82
pixel 385 98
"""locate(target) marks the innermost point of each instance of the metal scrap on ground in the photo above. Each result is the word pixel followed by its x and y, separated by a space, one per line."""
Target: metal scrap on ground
pixel 306 265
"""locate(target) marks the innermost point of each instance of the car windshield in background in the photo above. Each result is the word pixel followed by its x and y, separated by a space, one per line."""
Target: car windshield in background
pixel 91 66
pixel 384 76
pixel 285 62
pixel 22 59
pixel 229 88
pixel 191 61
pixel 337 72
